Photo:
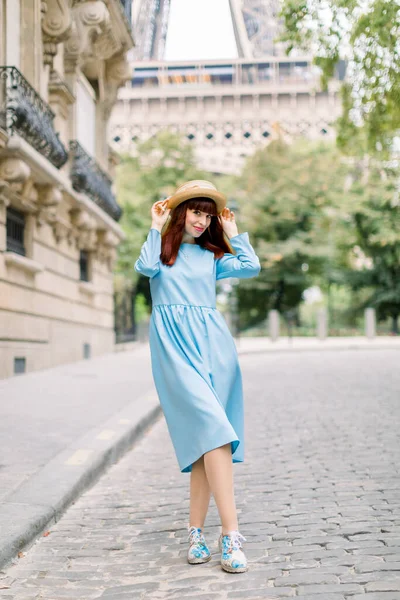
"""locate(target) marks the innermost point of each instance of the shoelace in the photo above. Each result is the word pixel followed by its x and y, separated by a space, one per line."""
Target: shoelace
pixel 195 536
pixel 235 540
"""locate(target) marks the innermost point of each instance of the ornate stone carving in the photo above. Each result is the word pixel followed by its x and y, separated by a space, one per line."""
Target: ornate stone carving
pixel 17 185
pixel 84 230
pixel 117 72
pixel 61 229
pixel 49 197
pixel 107 243
pixel 4 188
pixel 91 20
pixel 17 174
pixel 14 171
pixel 56 26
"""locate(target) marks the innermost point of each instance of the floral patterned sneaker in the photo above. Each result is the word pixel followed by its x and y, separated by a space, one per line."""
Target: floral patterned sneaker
pixel 198 551
pixel 233 558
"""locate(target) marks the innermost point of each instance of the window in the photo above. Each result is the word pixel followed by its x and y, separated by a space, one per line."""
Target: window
pixel 19 365
pixel 15 231
pixel 85 107
pixel 84 265
pixel 87 350
pixel 11 19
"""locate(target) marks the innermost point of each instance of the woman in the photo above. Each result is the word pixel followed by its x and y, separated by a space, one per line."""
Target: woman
pixel 193 355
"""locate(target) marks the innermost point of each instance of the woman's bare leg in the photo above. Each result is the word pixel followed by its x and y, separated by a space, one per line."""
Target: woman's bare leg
pixel 219 471
pixel 200 493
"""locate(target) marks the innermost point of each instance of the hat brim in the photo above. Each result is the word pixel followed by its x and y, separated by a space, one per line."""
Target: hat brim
pixel 179 197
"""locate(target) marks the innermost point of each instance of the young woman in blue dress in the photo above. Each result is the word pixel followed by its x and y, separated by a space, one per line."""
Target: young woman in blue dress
pixel 200 211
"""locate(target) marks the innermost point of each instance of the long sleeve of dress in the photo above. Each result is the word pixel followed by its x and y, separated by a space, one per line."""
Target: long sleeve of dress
pixel 245 264
pixel 148 262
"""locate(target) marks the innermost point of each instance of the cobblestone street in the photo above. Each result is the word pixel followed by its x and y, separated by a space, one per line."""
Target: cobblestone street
pixel 318 498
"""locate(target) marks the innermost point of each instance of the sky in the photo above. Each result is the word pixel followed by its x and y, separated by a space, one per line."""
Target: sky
pixel 200 29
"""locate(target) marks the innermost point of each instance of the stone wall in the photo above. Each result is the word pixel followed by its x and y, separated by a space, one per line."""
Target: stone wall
pixel 57 201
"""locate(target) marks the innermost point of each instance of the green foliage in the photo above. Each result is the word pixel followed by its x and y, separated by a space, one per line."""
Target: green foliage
pixel 293 194
pixel 365 35
pixel 376 218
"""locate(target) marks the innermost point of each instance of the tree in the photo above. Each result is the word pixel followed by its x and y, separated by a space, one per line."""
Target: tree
pixel 292 191
pixel 365 34
pixel 375 211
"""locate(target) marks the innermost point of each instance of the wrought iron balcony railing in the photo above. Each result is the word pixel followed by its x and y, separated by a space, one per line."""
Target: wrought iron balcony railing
pixel 89 178
pixel 127 8
pixel 24 112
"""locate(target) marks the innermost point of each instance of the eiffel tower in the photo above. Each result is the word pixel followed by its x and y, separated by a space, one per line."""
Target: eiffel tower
pixel 226 108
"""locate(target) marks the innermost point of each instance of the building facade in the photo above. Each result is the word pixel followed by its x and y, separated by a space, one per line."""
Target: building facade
pixel 61 64
pixel 225 108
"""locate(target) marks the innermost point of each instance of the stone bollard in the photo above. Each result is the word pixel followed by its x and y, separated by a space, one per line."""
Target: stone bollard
pixel 322 324
pixel 143 331
pixel 273 325
pixel 370 323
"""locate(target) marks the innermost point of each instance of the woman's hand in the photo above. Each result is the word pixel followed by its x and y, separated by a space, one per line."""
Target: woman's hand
pixel 227 220
pixel 159 214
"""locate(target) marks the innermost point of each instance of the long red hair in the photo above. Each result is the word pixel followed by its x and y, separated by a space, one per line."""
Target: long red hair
pixel 213 238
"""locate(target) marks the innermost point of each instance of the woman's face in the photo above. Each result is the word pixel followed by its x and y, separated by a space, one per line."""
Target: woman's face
pixel 196 222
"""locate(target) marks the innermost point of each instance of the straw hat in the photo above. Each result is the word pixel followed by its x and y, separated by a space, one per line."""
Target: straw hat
pixel 198 188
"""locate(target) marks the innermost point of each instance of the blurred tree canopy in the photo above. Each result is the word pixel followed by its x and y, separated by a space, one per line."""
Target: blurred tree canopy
pixel 319 218
pixel 373 236
pixel 366 35
pixel 291 195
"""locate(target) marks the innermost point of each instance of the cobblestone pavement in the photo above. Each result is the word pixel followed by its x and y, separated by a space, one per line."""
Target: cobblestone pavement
pixel 318 498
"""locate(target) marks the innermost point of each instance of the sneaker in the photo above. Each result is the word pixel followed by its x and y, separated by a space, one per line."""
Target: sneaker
pixel 198 551
pixel 233 558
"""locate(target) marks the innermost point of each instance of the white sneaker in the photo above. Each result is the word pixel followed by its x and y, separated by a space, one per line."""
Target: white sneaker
pixel 233 558
pixel 198 550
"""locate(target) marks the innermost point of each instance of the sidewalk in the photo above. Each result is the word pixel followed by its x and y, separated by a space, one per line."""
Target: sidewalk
pixel 59 430
pixel 62 427
pixel 246 345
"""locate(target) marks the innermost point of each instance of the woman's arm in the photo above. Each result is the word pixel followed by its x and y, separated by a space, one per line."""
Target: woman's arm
pixel 148 262
pixel 245 264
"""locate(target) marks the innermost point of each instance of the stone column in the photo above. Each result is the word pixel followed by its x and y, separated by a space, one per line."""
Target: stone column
pixel 322 323
pixel 273 325
pixel 370 323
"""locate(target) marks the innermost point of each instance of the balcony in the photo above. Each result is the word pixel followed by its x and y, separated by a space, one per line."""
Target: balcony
pixel 22 111
pixel 87 177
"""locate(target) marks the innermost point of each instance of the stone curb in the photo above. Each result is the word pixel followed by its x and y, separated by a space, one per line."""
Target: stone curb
pixel 280 349
pixel 39 502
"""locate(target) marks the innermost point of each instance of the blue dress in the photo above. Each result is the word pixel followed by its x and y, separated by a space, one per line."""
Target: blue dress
pixel 194 359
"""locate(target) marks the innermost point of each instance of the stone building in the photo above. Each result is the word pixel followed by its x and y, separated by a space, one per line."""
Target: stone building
pixel 226 108
pixel 61 64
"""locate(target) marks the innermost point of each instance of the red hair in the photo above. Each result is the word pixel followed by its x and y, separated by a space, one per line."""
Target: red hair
pixel 212 238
